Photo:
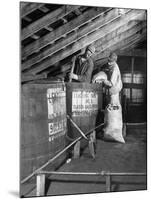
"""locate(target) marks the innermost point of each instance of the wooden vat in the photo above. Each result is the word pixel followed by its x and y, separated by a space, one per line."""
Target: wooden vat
pixel 84 104
pixel 43 124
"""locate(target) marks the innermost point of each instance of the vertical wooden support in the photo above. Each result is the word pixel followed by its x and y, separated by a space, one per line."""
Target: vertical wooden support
pixel 93 135
pixel 40 185
pixel 108 183
pixel 77 150
pixel 92 142
pixel 132 71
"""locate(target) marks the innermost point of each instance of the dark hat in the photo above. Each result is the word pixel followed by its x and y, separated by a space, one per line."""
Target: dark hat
pixel 91 48
pixel 112 57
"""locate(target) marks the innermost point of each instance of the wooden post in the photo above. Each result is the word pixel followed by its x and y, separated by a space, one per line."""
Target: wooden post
pixel 40 185
pixel 108 183
pixel 77 150
pixel 92 142
pixel 132 71
pixel 93 135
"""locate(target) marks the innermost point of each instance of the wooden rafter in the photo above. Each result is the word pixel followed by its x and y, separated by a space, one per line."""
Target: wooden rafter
pixel 114 24
pixel 120 41
pixel 46 20
pixel 133 43
pixel 30 77
pixel 115 39
pixel 102 57
pixel 63 30
pixel 27 8
pixel 44 9
pixel 133 53
pixel 73 37
pixel 64 41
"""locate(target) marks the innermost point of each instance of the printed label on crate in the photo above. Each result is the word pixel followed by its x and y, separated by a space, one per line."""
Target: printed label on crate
pixel 56 129
pixel 84 102
pixel 56 102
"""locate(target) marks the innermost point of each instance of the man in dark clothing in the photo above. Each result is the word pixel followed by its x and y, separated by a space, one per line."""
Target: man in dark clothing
pixel 84 66
pixel 83 69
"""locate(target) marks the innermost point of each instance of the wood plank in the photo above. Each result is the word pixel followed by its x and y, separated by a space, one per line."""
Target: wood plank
pixel 63 30
pixel 128 44
pixel 35 36
pixel 115 46
pixel 26 8
pixel 66 67
pixel 46 20
pixel 101 58
pixel 127 28
pixel 113 25
pixel 133 44
pixel 56 47
pixel 130 32
pixel 73 37
pixel 44 9
pixel 27 19
pixel 40 184
pixel 30 77
pixel 133 53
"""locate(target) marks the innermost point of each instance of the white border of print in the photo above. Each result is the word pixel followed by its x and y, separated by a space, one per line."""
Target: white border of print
pixel 9 100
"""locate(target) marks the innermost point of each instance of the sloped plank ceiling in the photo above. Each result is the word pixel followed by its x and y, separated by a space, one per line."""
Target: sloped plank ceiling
pixel 52 34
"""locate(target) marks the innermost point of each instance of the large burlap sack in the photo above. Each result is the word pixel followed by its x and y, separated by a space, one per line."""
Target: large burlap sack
pixel 113 123
pixel 99 77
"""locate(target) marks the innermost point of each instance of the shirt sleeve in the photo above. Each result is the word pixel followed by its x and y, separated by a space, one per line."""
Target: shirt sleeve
pixel 114 76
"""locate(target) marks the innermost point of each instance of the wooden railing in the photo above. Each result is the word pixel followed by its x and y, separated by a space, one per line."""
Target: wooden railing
pixel 41 176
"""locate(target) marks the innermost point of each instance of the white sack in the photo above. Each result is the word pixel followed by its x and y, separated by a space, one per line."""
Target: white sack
pixel 113 123
pixel 99 77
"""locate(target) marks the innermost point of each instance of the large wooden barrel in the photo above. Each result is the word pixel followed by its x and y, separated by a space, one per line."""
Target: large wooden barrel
pixel 84 104
pixel 43 124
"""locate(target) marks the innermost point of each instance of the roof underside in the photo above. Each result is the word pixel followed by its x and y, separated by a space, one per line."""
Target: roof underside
pixel 52 34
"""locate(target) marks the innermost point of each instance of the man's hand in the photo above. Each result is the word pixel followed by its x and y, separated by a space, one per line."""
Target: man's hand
pixel 73 76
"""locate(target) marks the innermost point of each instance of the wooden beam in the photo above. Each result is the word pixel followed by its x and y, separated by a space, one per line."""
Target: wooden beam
pixel 127 28
pixel 130 32
pixel 133 53
pixel 26 8
pixel 49 28
pixel 63 30
pixel 40 184
pixel 35 36
pixel 133 44
pixel 27 19
pixel 144 17
pixel 64 20
pixel 44 9
pixel 102 57
pixel 113 25
pixel 118 43
pixel 30 77
pixel 73 37
pixel 46 20
pixel 66 41
pixel 78 12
